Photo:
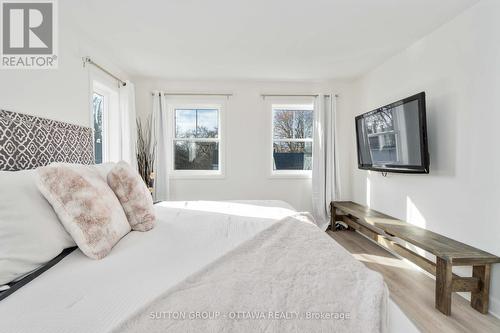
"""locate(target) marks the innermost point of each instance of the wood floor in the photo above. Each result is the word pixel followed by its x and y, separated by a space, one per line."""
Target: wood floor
pixel 413 290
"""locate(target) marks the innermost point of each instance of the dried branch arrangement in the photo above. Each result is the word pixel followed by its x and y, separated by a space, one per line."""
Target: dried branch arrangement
pixel 146 150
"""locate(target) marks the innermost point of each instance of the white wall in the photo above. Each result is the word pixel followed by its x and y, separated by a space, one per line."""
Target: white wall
pixel 61 94
pixel 458 66
pixel 247 140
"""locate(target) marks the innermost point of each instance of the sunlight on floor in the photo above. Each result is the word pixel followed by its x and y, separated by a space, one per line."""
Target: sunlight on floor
pixel 380 260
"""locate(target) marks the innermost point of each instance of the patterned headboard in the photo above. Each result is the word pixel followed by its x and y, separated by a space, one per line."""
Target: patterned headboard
pixel 27 142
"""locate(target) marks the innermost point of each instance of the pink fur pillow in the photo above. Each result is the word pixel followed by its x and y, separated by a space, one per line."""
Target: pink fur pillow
pixel 85 205
pixel 133 195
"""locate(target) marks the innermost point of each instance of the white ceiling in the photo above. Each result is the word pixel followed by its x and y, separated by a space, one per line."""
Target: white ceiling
pixel 256 39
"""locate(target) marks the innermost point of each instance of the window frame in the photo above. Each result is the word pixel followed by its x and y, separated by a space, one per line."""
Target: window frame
pixel 195 104
pixel 297 104
pixel 107 87
pixel 397 137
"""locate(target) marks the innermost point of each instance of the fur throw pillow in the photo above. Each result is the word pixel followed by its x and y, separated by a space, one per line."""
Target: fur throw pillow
pixel 134 196
pixel 85 205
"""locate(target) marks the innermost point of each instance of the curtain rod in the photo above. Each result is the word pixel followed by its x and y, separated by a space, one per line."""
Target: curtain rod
pixel 295 95
pixel 194 94
pixel 88 60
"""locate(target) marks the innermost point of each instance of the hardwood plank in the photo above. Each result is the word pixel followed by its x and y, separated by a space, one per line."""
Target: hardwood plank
pixel 356 209
pixel 413 290
pixel 465 284
pixel 473 261
pixel 408 254
pixel 333 216
pixel 438 245
pixel 480 299
pixel 356 226
pixel 443 286
pixel 459 283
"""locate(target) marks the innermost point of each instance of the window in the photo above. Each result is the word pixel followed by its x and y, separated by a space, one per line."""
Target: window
pixel 196 140
pixel 105 112
pixel 97 115
pixel 383 137
pixel 292 138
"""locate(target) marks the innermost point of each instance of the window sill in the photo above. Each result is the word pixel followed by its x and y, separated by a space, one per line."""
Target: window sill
pixel 196 175
pixel 291 175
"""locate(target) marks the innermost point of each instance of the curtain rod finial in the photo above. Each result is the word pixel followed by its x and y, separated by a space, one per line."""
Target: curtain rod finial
pixel 85 60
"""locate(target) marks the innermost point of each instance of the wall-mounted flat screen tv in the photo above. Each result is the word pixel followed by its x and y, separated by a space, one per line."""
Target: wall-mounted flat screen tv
pixel 393 138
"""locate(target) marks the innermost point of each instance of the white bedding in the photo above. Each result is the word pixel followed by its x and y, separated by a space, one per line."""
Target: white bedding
pixel 291 268
pixel 84 295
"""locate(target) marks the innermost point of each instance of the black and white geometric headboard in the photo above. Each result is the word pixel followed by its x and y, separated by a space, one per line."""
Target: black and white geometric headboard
pixel 27 142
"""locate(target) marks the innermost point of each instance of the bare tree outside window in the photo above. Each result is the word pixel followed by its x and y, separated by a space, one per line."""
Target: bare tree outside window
pixel 292 139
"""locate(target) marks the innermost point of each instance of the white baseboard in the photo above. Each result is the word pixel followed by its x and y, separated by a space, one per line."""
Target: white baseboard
pixel 494 309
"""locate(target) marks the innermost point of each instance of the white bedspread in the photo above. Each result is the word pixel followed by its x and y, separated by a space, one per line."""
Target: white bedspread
pixel 290 277
pixel 84 295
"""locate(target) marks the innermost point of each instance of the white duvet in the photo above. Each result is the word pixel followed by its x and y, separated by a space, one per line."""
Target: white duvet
pixel 84 295
pixel 291 277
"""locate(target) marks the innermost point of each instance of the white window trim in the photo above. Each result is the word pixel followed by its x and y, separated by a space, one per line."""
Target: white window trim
pixel 293 103
pixel 196 174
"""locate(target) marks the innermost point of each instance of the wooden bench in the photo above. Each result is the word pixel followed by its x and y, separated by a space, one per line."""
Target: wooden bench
pixel 386 231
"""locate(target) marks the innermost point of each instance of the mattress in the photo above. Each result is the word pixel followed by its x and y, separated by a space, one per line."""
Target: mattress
pixel 84 295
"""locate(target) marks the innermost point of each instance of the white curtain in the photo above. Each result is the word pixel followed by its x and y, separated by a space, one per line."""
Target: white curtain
pixel 159 135
pixel 325 173
pixel 128 125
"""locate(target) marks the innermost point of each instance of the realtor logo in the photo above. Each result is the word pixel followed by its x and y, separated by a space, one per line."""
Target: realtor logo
pixel 29 37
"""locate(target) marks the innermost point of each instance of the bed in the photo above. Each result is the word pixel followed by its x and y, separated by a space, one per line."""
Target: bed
pixel 256 266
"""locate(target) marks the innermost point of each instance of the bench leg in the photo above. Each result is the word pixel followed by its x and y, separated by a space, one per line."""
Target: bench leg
pixel 479 300
pixel 333 216
pixel 444 277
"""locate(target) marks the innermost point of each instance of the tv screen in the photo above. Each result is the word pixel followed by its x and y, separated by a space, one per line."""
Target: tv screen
pixel 393 138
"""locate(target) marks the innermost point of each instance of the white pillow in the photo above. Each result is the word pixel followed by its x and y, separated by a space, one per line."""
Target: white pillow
pixel 30 232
